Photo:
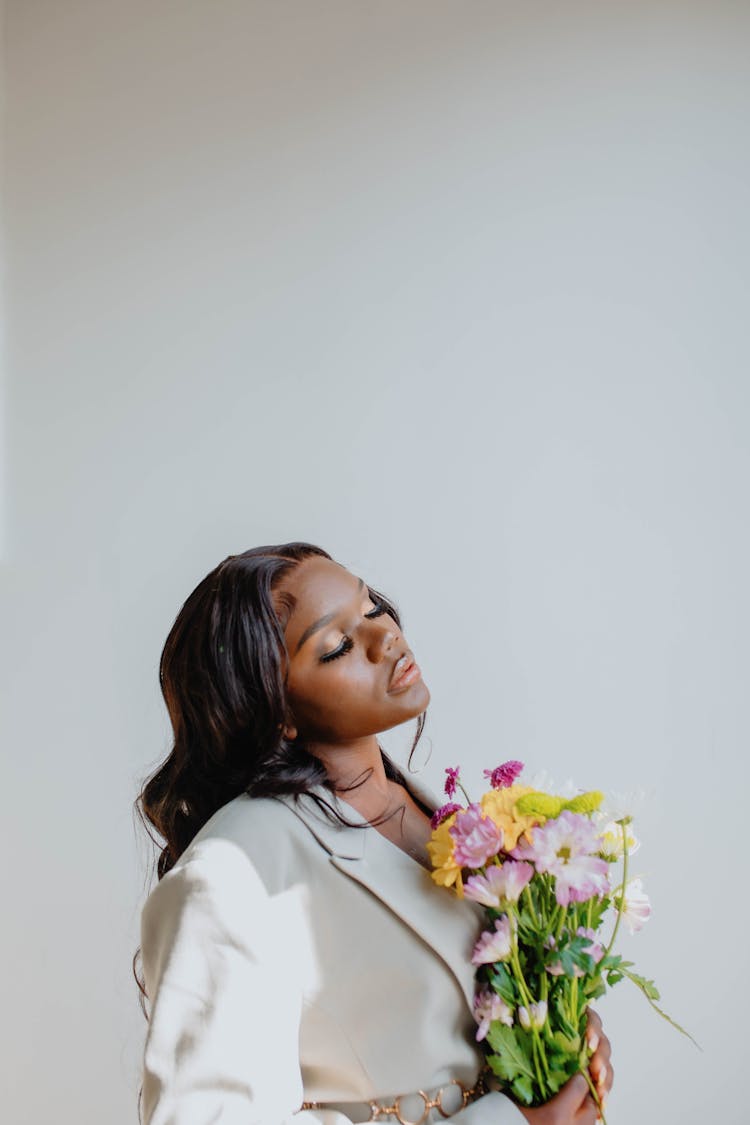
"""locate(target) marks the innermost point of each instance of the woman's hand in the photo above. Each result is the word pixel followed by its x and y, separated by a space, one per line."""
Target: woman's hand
pixel 574 1103
pixel 600 1064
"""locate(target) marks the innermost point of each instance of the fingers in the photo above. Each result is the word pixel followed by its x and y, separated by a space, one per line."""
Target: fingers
pixel 593 1027
pixel 600 1065
pixel 602 1076
pixel 588 1114
pixel 587 1111
pixel 600 1062
pixel 600 1069
pixel 571 1099
pixel 573 1103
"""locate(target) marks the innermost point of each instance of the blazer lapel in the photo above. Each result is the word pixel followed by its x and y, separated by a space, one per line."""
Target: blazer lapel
pixel 449 926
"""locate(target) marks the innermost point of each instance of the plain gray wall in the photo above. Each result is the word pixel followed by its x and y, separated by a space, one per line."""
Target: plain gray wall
pixel 458 291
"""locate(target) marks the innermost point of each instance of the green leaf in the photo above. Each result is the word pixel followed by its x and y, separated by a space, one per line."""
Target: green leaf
pixel 523 1089
pixel 639 981
pixel 597 908
pixel 502 982
pixel 594 988
pixel 646 986
pixel 557 1079
pixel 570 1044
pixel 511 1059
pixel 561 1019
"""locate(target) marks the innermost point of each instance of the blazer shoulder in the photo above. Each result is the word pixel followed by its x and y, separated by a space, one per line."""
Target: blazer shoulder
pixel 223 893
pixel 267 830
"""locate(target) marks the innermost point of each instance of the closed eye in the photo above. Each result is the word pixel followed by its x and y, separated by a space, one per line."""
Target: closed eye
pixel 347 644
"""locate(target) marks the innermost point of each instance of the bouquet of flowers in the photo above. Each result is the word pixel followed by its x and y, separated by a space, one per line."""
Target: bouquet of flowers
pixel 546 869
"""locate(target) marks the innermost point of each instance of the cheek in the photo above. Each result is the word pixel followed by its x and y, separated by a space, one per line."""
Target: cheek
pixel 334 690
pixel 343 681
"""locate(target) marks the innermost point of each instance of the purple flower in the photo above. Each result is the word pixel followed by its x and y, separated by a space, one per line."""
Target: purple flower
pixel 595 949
pixel 566 847
pixel 452 780
pixel 476 837
pixel 493 947
pixel 500 885
pixel 443 813
pixel 488 1006
pixel 503 776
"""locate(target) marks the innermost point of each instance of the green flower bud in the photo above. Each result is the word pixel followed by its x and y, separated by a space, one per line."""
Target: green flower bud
pixel 540 804
pixel 585 802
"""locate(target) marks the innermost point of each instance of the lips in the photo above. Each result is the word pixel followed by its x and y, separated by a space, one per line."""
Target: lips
pixel 400 667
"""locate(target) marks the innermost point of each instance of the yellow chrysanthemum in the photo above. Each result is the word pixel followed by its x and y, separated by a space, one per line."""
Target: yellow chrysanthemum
pixel 447 872
pixel 500 806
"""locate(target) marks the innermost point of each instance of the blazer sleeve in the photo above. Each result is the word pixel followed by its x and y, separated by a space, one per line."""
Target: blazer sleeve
pixel 225 966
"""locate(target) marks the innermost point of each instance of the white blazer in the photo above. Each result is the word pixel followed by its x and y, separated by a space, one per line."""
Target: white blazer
pixel 288 959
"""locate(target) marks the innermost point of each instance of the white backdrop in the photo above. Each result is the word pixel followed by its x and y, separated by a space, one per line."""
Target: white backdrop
pixel 458 291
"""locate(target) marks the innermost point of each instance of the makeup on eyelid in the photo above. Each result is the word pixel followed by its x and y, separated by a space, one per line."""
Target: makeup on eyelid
pixel 348 642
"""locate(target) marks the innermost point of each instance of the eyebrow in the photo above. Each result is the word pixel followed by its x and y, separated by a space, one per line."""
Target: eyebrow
pixel 321 623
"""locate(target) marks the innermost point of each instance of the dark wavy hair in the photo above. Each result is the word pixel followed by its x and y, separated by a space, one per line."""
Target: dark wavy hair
pixel 222 677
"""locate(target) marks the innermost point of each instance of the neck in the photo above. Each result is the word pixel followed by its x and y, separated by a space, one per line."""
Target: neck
pixel 355 763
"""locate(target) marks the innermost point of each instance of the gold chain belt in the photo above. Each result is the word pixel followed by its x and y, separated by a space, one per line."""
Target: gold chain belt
pixel 396 1108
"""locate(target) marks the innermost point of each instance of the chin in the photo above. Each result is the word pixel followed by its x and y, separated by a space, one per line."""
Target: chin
pixel 421 698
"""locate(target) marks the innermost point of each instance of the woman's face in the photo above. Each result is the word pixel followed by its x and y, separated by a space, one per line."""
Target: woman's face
pixel 343 650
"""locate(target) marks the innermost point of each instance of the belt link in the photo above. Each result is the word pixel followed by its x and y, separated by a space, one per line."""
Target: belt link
pixel 377 1110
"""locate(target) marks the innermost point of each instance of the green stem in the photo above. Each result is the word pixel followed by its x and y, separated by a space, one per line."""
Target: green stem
pixel 535 1037
pixel 523 988
pixel 537 1052
pixel 466 795
pixel 621 907
pixel 595 1095
pixel 574 982
pixel 560 923
pixel 516 966
pixel 574 1002
pixel 530 899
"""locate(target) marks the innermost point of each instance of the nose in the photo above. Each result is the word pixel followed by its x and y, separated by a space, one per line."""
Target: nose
pixel 381 641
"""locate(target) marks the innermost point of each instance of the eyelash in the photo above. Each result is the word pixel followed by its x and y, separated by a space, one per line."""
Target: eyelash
pixel 348 643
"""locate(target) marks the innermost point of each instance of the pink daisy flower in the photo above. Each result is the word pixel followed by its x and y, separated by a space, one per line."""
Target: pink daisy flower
pixel 501 884
pixel 566 847
pixel 493 946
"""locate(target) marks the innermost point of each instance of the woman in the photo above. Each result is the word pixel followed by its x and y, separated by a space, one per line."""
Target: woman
pixel 298 957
